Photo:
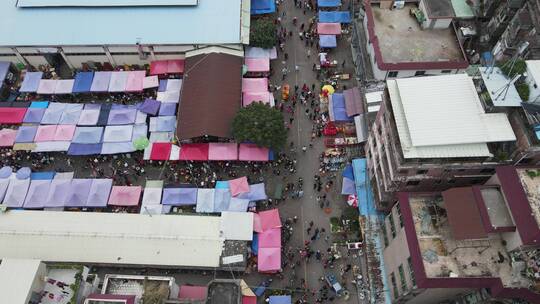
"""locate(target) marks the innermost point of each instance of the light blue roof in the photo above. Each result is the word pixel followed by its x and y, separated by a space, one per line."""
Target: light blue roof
pixel 210 22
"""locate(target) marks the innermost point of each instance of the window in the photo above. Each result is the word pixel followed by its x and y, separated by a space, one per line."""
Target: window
pixel 420 73
pixel 392 74
pixel 392 225
pixel 394 285
pixel 411 271
pixel 402 278
pixel 413 183
pixel 423 171
pixel 385 236
pixel 446 71
pixel 400 217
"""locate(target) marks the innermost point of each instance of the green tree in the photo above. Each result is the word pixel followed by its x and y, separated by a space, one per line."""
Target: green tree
pixel 260 124
pixel 263 33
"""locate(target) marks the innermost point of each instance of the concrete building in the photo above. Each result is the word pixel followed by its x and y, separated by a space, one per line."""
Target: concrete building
pixel 69 33
pixel 433 133
pixel 476 242
pixel 427 48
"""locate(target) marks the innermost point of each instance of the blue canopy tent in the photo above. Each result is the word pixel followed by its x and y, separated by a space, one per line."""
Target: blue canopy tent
pixel 280 300
pixel 42 175
pixel 338 107
pixel 255 244
pixel 348 172
pixel 222 199
pixel 179 196
pixel 259 7
pixel 39 104
pixel 84 149
pixel 327 41
pixel 329 3
pixel 335 17
pixel 30 82
pixel 83 82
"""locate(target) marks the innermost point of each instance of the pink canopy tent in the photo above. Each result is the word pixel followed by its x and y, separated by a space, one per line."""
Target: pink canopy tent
pixel 329 28
pixel 258 64
pixel 193 292
pixel 45 133
pixel 254 85
pixel 135 81
pixel 270 238
pixel 249 300
pixel 223 151
pixel 266 220
pixel 252 152
pixel 194 152
pixel 269 260
pixel 7 137
pixel 161 67
pixel 46 86
pixel 239 185
pixel 250 97
pixel 64 132
pixel 125 195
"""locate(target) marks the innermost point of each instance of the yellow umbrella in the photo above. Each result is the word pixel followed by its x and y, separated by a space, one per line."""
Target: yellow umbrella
pixel 328 88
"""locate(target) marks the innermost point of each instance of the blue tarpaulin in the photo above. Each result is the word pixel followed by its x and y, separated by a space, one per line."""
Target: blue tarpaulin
pixel 328 3
pixel 84 149
pixel 42 175
pixel 366 203
pixel 348 172
pixel 338 107
pixel 255 244
pixel 39 104
pixel 328 41
pixel 262 7
pixel 83 82
pixel 335 17
pixel 280 300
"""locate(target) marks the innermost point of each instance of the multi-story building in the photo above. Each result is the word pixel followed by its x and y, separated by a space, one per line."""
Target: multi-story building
pixel 432 133
pixel 466 242
pixel 400 45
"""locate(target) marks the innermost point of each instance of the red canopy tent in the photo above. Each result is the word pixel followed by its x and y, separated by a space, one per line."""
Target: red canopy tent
pixel 12 115
pixel 194 152
pixel 161 151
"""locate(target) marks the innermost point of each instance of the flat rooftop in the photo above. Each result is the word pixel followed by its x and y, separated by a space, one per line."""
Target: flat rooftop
pixel 398 28
pixel 443 256
pixel 531 186
pixel 121 25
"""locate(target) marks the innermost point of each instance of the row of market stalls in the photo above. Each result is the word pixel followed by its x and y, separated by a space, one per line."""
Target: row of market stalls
pixel 255 81
pixel 208 152
pixel 46 190
pixel 330 21
pixel 267 241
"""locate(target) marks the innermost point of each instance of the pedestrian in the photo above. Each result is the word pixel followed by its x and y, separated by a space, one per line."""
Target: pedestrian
pixel 291 120
pixel 302 26
pixel 308 53
pixel 304 149
pixel 286 56
pixel 314 66
pixel 343 63
pixel 296 68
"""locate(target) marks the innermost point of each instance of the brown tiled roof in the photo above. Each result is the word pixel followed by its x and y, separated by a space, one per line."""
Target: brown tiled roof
pixel 463 214
pixel 211 95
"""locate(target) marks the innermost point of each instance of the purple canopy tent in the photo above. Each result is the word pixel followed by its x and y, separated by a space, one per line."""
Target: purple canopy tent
pixel 150 106
pixel 33 115
pixel 167 109
pixel 72 114
pixel 179 196
pixel 89 115
pixel 135 81
pixel 78 192
pixel 37 193
pixel 58 191
pixel 99 193
pixel 53 113
pixel 84 149
pixel 121 116
pixel 26 134
pixel 238 204
pixel 87 135
pixel 31 82
pixel 256 193
pixel 101 81
pixel 16 192
pixel 348 187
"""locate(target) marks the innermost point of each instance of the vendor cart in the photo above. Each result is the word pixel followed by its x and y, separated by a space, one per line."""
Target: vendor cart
pixel 343 76
pixel 285 92
pixel 330 129
pixel 340 141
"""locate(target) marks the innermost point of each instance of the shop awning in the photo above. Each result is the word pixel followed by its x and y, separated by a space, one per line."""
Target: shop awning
pixel 53 113
pixel 198 152
pixel 223 151
pixel 117 147
pixel 150 82
pixel 150 106
pixel 280 300
pixel 83 82
pixel 193 293
pixel 238 186
pixel 84 149
pixel 101 81
pixel 328 28
pixel 31 82
pixel 122 116
pixel 125 195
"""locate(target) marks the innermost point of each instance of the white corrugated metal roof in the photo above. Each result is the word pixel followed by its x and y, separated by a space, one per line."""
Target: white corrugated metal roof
pixel 112 238
pixel 374 97
pixel 16 279
pixel 446 110
pixel 237 225
pixel 501 94
pixel 439 151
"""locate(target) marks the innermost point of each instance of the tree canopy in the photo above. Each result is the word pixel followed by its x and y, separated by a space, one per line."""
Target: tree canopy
pixel 262 33
pixel 260 124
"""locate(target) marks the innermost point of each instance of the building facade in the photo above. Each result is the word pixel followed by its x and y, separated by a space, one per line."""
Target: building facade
pixel 469 242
